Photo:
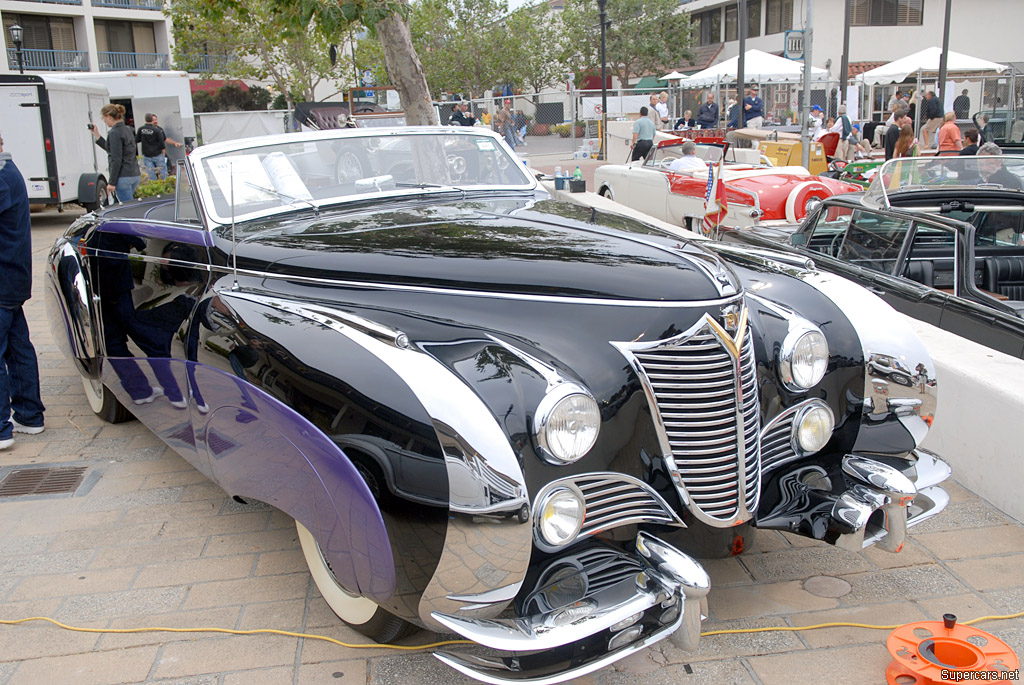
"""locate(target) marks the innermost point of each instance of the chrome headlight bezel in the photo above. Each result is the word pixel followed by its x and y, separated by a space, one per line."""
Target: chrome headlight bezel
pixel 806 409
pixel 787 352
pixel 542 422
pixel 539 522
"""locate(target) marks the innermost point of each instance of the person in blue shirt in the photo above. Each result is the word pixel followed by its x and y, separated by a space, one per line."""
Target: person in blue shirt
pixel 21 410
pixel 753 108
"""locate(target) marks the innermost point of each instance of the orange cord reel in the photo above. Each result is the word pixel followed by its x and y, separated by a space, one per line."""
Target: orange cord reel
pixel 933 652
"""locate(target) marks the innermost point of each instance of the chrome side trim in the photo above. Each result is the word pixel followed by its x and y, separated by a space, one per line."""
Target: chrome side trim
pixel 371 285
pixel 884 335
pixel 478 457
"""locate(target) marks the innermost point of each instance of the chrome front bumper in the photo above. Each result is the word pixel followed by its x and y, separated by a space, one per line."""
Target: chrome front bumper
pixel 622 603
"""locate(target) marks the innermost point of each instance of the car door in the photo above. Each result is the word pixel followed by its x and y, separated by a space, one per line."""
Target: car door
pixel 149 267
pixel 647 188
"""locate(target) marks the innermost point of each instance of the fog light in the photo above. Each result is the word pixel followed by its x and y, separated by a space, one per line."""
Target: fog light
pixel 812 428
pixel 624 638
pixel 670 615
pixel 560 515
pixel 626 622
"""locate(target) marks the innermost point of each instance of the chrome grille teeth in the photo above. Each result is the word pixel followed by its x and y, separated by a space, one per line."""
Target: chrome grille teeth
pixel 697 392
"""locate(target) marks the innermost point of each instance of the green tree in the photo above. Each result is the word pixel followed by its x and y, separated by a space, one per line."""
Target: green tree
pixel 313 25
pixel 534 38
pixel 259 45
pixel 645 37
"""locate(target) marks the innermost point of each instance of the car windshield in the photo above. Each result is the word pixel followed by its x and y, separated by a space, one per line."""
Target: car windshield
pixel 298 171
pixel 906 175
pixel 665 155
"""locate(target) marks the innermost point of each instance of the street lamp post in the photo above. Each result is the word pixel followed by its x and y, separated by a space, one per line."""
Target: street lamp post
pixel 603 18
pixel 16 36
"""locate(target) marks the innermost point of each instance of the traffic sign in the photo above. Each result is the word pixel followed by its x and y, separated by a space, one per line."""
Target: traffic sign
pixel 794 48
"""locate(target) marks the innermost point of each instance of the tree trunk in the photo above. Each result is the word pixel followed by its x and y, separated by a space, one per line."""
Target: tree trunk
pixel 406 70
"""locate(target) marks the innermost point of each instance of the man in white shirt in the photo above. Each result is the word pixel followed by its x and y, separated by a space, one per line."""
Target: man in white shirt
pixel 817 129
pixel 689 161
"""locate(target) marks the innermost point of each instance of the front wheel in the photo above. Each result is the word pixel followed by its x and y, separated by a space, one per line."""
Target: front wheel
pixel 103 403
pixel 359 613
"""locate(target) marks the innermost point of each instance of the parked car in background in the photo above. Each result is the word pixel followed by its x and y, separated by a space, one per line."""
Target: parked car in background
pixel 758 194
pixel 931 239
pixel 491 413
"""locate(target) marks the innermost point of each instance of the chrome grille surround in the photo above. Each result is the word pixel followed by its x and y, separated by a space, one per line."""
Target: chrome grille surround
pixel 612 500
pixel 701 386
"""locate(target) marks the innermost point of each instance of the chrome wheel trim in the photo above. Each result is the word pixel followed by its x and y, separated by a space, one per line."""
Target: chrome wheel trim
pixel 93 393
pixel 350 608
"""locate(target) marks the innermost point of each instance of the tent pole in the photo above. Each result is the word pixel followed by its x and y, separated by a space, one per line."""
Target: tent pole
pixel 741 63
pixel 805 110
pixel 918 107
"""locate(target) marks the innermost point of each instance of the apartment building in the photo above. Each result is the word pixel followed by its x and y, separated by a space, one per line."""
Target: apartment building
pixel 86 35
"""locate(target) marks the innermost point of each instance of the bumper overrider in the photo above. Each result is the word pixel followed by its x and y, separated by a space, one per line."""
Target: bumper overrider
pixel 587 610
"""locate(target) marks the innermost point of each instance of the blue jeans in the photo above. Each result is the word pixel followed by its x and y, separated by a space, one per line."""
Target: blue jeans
pixel 125 188
pixel 19 374
pixel 155 167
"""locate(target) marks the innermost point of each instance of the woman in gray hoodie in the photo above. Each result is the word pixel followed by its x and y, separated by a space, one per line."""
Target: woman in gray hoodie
pixel 122 155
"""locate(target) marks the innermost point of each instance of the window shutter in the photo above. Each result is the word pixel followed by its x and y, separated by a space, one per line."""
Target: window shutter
pixel 62 33
pixel 859 13
pixel 909 13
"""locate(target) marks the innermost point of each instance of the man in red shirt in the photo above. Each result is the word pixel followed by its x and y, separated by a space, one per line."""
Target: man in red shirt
pixel 950 140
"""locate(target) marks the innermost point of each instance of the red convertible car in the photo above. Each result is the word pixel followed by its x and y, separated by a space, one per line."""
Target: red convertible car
pixel 757 193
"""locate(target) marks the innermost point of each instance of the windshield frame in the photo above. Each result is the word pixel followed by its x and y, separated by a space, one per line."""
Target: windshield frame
pixel 199 158
pixel 878 194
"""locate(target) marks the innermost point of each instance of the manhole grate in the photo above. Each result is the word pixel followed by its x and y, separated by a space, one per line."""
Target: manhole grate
pixel 51 481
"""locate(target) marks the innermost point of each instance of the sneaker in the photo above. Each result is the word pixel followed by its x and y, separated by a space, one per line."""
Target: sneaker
pixel 156 392
pixel 180 403
pixel 30 430
pixel 6 442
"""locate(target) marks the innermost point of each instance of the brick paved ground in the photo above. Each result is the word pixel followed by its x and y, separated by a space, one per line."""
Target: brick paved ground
pixel 149 541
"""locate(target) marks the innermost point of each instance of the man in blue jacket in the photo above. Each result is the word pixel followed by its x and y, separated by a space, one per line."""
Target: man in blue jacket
pixel 753 109
pixel 19 370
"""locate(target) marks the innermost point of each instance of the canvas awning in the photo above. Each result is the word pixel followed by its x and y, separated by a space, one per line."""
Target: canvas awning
pixel 760 67
pixel 927 63
pixel 649 84
pixel 672 76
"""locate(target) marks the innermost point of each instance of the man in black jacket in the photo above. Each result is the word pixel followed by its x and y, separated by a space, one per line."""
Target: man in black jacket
pixel 19 369
pixel 892 134
pixel 154 140
pixel 707 116
pixel 933 113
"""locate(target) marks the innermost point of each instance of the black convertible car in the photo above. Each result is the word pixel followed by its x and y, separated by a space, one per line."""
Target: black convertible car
pixel 489 412
pixel 939 238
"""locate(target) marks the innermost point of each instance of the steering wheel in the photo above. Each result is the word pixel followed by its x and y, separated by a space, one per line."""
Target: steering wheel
pixel 837 241
pixel 666 163
pixel 348 168
pixel 458 165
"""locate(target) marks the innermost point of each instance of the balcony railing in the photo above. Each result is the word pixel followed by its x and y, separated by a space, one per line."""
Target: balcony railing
pixel 203 64
pixel 59 2
pixel 133 61
pixel 130 4
pixel 49 60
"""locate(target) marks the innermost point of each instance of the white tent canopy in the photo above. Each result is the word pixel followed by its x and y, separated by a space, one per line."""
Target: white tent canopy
pixel 927 62
pixel 672 76
pixel 760 67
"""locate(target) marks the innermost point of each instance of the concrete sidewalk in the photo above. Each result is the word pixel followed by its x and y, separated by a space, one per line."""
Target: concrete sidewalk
pixel 148 541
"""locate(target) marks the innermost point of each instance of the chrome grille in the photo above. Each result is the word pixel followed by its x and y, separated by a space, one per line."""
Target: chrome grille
pixel 612 500
pixel 776 443
pixel 710 415
pixel 615 499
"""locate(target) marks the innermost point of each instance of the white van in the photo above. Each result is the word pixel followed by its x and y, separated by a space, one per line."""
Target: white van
pixel 44 121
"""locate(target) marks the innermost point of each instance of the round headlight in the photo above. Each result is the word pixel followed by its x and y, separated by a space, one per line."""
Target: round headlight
pixel 560 516
pixel 567 423
pixel 803 358
pixel 813 428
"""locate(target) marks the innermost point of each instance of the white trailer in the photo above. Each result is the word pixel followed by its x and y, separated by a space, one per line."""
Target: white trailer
pixel 44 121
pixel 167 94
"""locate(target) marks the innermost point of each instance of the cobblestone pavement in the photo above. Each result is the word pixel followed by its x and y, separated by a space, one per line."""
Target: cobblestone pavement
pixel 148 541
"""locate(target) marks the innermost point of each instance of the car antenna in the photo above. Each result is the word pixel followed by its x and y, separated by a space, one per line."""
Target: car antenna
pixel 234 245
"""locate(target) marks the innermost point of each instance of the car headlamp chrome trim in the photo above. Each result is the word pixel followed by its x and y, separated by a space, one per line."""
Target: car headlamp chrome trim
pixel 798 331
pixel 815 406
pixel 542 418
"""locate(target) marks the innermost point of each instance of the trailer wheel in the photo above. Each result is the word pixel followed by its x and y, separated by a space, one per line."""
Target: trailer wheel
pixel 102 199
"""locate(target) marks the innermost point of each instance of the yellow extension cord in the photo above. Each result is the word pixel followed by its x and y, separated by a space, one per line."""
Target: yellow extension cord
pixel 272 631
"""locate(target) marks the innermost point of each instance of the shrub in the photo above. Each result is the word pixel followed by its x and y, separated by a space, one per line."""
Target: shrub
pixel 155 187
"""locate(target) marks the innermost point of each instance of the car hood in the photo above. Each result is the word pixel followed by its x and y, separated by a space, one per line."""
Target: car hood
pixel 520 246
